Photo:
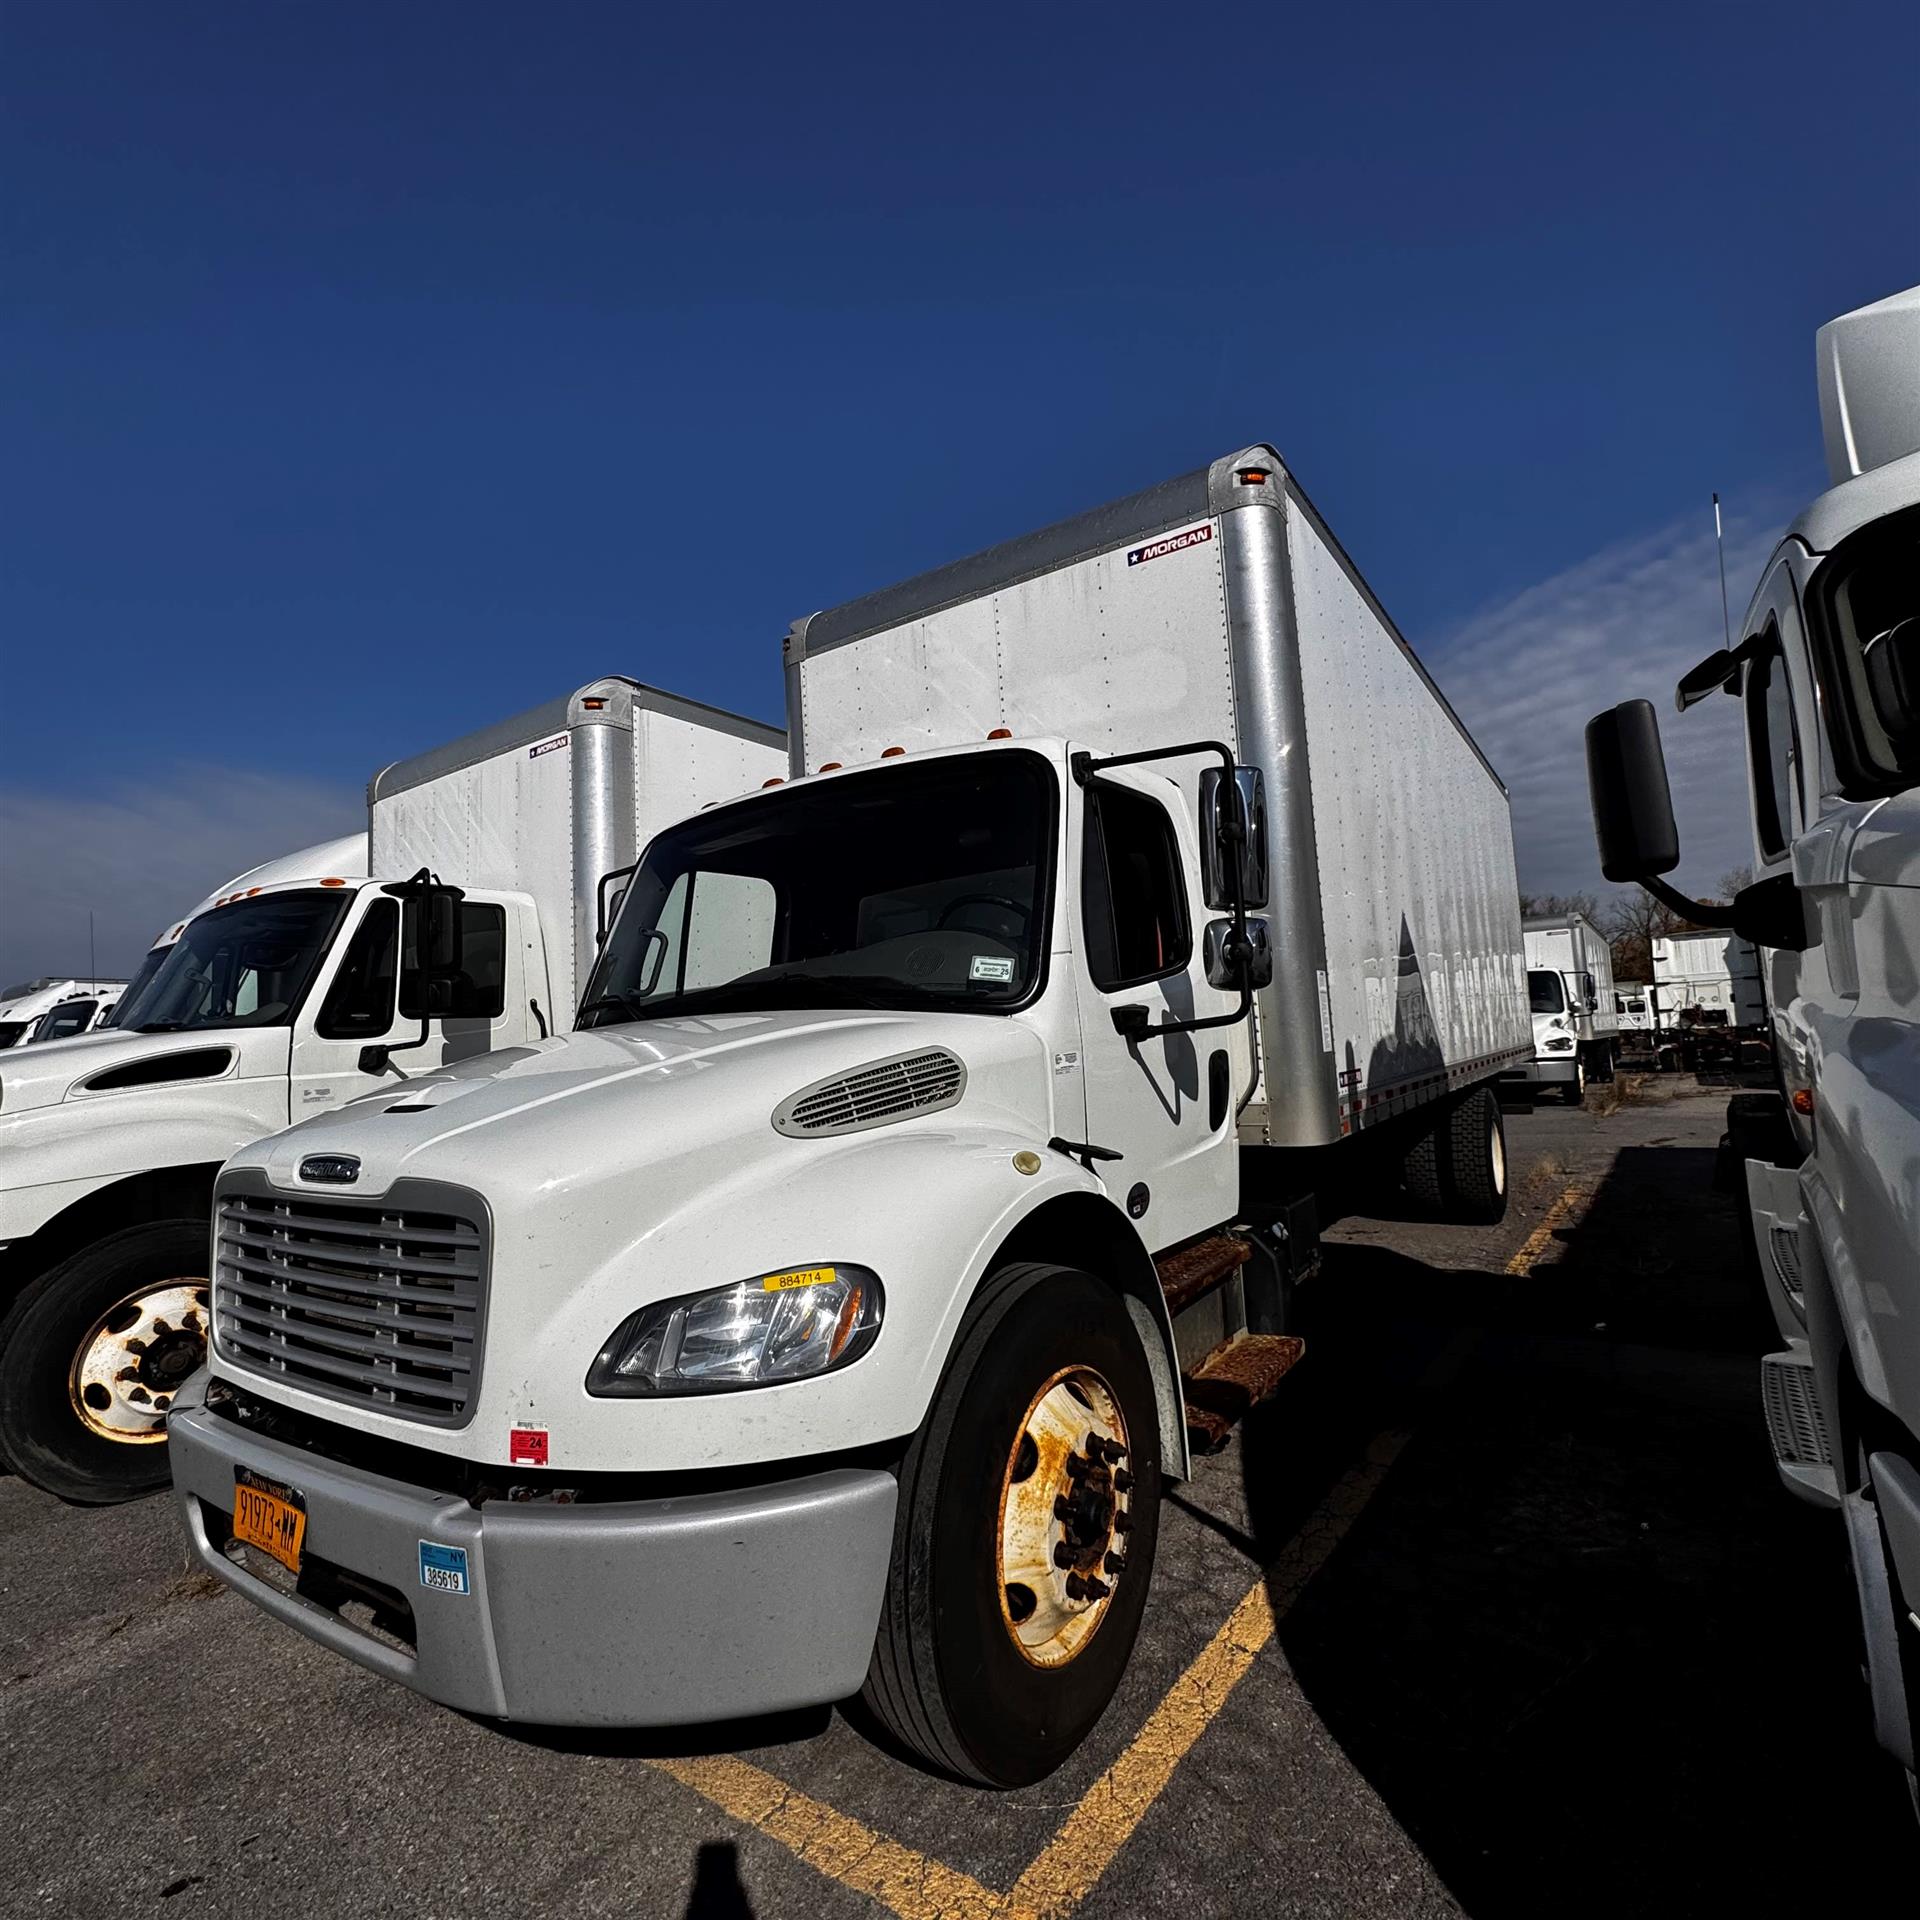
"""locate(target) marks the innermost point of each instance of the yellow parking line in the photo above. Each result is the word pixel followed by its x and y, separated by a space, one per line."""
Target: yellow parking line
pixel 915 1887
pixel 1538 1241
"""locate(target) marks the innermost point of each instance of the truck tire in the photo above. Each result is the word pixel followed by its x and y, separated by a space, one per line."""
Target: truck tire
pixel 1457 1168
pixel 91 1354
pixel 1574 1091
pixel 1023 1544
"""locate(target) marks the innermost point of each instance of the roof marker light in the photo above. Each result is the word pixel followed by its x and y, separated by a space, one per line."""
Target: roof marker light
pixel 251 891
pixel 1803 1099
pixel 1253 476
pixel 831 766
pixel 594 705
pixel 891 753
pixel 1001 733
pixel 333 883
pixel 776 781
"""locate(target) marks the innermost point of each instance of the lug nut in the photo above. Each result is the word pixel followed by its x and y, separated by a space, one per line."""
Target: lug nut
pixel 1123 1481
pixel 1063 1508
pixel 1062 1554
pixel 1116 1563
pixel 1123 1523
pixel 1076 1587
pixel 1096 1589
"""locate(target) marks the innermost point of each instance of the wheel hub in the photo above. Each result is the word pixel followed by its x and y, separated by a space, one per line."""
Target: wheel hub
pixel 134 1359
pixel 1064 1518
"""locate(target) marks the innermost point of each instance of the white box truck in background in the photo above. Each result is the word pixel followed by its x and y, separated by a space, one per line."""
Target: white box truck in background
pixel 886 1234
pixel 1709 1000
pixel 1827 668
pixel 291 993
pixel 25 1006
pixel 1576 1020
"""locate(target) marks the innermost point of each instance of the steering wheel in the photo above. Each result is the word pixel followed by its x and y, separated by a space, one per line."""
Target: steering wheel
pixel 952 907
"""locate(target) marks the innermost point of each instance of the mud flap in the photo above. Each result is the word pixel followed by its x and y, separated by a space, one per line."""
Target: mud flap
pixel 1880 1628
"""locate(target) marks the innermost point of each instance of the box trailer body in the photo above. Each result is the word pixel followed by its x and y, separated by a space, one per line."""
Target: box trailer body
pixel 553 799
pixel 893 1184
pixel 1825 663
pixel 1221 607
pixel 299 986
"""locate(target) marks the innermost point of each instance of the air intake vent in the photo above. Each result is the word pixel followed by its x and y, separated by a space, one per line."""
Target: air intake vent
pixel 1794 1423
pixel 157 1069
pixel 1786 1261
pixel 873 1096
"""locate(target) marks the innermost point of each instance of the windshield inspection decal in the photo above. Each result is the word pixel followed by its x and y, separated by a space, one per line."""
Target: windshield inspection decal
pixel 558 741
pixel 444 1569
pixel 989 966
pixel 1172 543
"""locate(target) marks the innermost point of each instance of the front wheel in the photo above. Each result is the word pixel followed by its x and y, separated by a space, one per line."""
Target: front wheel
pixel 1574 1091
pixel 91 1356
pixel 1029 1511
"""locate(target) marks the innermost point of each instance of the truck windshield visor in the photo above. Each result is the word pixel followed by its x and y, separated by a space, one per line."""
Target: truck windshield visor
pixel 918 886
pixel 1545 994
pixel 247 965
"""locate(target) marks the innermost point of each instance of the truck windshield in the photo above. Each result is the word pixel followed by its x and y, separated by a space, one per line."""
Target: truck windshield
pixel 916 886
pixel 116 1017
pixel 1544 993
pixel 247 965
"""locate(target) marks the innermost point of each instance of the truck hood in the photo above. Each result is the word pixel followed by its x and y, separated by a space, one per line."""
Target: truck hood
pixel 630 1103
pixel 53 1071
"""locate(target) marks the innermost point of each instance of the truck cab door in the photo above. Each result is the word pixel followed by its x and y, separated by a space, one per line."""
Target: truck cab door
pixel 369 994
pixel 1166 1103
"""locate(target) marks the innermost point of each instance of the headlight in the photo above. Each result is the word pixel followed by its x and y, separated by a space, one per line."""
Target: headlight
pixel 782 1326
pixel 1559 1046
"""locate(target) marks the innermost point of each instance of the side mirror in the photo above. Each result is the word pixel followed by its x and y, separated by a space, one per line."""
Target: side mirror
pixel 608 899
pixel 431 924
pixel 1773 913
pixel 1893 679
pixel 1627 787
pixel 1224 963
pixel 1714 674
pixel 1222 812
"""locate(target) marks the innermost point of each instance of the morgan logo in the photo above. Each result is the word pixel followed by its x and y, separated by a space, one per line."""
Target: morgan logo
pixel 1173 543
pixel 331 1169
pixel 554 745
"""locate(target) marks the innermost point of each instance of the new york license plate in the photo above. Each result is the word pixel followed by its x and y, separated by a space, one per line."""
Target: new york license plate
pixel 269 1515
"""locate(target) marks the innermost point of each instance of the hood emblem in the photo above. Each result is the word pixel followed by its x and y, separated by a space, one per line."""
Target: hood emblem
pixel 331 1169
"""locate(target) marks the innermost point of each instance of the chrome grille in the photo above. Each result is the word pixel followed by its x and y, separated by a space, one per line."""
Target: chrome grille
pixel 871 1096
pixel 371 1303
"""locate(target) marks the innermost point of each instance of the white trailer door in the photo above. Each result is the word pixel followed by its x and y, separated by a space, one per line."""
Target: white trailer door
pixel 1162 1103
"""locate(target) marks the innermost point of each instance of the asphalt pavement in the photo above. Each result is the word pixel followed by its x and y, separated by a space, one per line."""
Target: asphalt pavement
pixel 1496 1609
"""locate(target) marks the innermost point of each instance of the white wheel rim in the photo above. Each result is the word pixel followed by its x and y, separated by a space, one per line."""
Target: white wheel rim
pixel 1057 1571
pixel 1499 1159
pixel 135 1358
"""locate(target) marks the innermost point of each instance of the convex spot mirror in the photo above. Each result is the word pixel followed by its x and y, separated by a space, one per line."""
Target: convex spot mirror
pixel 1893 679
pixel 1222 963
pixel 1627 787
pixel 1221 839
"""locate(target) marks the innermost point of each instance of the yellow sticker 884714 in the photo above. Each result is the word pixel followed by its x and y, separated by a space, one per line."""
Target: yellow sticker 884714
pixel 799 1277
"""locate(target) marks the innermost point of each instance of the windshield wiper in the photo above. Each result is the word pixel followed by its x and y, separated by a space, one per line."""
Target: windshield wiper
pixel 629 1002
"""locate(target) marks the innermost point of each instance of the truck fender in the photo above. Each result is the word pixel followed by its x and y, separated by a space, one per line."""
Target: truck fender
pixel 1847 1327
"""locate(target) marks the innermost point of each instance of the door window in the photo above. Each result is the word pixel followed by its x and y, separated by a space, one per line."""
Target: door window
pixel 1545 994
pixel 359 1003
pixel 1133 895
pixel 71 1016
pixel 1771 742
pixel 480 988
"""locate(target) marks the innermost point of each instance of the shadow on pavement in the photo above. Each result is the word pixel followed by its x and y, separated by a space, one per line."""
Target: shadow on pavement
pixel 1588 1652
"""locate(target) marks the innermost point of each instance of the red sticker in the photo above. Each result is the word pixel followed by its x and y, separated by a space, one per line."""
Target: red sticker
pixel 527 1447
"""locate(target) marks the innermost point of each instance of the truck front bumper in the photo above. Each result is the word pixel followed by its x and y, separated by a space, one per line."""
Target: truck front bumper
pixel 662 1612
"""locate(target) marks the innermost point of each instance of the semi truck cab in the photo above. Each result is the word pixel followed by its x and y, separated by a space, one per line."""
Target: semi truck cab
pixel 1826 667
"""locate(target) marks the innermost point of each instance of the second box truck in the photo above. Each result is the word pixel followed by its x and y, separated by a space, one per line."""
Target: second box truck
pixel 928 1177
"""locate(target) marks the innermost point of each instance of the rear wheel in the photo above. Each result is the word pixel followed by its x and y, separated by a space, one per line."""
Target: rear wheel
pixel 91 1355
pixel 1457 1168
pixel 1029 1511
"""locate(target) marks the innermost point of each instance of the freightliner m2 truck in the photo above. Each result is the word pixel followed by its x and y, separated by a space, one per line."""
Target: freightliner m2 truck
pixel 291 993
pixel 1827 670
pixel 1576 1024
pixel 928 1174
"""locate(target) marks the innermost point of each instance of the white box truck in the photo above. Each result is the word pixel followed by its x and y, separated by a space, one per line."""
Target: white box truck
pixel 1826 665
pixel 825 1314
pixel 1709 1000
pixel 292 992
pixel 1576 1018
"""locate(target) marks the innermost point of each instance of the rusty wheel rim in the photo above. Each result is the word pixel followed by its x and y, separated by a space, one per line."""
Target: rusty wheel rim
pixel 135 1358
pixel 1065 1500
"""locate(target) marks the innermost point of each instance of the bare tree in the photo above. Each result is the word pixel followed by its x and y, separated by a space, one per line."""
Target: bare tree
pixel 1632 922
pixel 1540 906
pixel 1734 881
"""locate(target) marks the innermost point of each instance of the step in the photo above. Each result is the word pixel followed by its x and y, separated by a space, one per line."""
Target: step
pixel 1191 1272
pixel 1236 1375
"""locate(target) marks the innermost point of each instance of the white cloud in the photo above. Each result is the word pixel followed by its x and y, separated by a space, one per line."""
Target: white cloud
pixel 1526 674
pixel 140 855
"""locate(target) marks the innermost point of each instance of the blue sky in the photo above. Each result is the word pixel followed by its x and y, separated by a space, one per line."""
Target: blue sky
pixel 369 373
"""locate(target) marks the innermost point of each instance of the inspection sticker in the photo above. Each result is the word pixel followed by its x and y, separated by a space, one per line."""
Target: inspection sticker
pixel 799 1277
pixel 989 966
pixel 444 1569
pixel 1172 543
pixel 527 1447
pixel 554 745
